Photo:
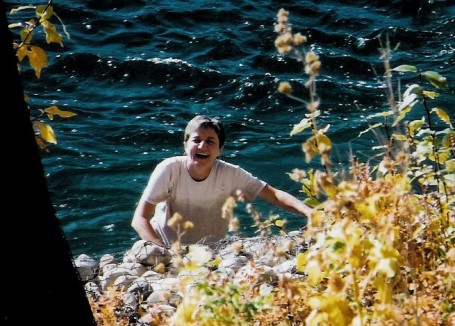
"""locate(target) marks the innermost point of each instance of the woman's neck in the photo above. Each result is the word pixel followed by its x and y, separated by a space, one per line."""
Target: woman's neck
pixel 198 173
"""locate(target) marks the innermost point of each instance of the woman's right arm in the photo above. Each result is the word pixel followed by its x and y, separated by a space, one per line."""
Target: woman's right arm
pixel 141 222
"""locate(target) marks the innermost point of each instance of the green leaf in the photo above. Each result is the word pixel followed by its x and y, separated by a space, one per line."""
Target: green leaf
pixel 436 79
pixel 405 68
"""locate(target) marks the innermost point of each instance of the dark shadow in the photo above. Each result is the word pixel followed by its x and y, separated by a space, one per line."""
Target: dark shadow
pixel 40 284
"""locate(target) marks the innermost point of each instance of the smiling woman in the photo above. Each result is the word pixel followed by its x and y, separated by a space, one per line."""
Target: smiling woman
pixel 186 194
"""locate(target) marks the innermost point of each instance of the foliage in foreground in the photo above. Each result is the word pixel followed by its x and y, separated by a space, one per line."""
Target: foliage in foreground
pixel 382 234
pixel 37 58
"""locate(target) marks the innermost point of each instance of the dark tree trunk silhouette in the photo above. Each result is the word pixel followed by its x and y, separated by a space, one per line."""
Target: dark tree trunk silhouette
pixel 39 283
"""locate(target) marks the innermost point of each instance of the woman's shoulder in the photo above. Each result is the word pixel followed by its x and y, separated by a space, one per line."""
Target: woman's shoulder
pixel 231 167
pixel 233 171
pixel 173 162
pixel 226 165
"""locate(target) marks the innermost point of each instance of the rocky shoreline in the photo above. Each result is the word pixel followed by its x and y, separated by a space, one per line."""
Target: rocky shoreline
pixel 150 276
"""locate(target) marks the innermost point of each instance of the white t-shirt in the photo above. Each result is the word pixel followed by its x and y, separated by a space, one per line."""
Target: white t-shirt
pixel 172 190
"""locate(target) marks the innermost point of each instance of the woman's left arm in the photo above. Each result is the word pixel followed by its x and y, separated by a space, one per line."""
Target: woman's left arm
pixel 284 200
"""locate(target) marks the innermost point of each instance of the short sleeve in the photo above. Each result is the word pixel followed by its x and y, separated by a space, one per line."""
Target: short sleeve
pixel 159 184
pixel 248 184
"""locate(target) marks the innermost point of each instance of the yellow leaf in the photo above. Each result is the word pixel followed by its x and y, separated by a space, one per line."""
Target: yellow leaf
pixel 450 165
pixel 54 110
pixel 44 14
pixel 399 137
pixel 279 223
pixel 430 94
pixel 47 132
pixel 214 263
pixel 301 262
pixel 387 266
pixel 52 36
pixel 449 139
pixel 443 116
pixel 314 272
pixel 38 59
pixel 384 290
pixel 324 143
pixel 449 180
pixel 26 35
pixel 402 114
pixel 21 53
pixel 415 125
pixel 310 149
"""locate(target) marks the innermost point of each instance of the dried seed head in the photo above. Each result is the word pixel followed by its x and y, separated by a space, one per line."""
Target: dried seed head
pixel 311 57
pixel 175 220
pixel 299 39
pixel 283 12
pixel 188 226
pixel 285 88
pixel 234 224
pixel 160 268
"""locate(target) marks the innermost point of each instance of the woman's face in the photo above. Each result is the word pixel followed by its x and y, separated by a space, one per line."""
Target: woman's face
pixel 203 147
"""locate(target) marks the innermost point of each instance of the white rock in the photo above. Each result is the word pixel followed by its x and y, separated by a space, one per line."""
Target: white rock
pixel 148 253
pixel 87 267
pixel 234 263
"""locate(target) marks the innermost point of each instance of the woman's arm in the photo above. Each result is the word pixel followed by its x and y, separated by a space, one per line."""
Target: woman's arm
pixel 285 201
pixel 141 222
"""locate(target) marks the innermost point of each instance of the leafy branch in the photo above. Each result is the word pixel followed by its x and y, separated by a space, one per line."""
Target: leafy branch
pixel 37 58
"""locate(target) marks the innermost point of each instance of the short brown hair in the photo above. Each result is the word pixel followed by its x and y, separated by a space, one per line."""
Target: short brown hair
pixel 203 121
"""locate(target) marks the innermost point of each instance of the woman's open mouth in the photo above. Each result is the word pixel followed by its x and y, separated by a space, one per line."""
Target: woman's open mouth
pixel 201 155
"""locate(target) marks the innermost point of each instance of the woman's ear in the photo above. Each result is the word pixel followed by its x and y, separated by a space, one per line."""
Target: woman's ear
pixel 184 147
pixel 221 150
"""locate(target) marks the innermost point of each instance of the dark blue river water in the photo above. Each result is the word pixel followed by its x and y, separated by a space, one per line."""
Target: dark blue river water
pixel 136 71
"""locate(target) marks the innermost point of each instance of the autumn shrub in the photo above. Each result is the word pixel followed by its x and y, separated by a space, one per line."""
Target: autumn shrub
pixel 384 237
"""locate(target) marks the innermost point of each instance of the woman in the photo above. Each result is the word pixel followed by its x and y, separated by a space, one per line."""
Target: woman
pixel 196 186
